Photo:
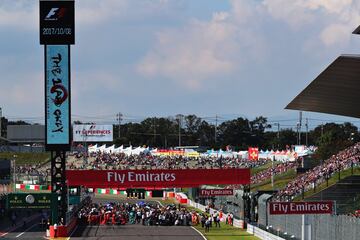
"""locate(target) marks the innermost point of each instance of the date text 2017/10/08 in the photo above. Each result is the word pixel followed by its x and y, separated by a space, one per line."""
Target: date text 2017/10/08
pixel 56 31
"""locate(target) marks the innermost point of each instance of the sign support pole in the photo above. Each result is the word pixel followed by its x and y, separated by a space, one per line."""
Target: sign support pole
pixel 58 186
pixel 57 33
pixel 305 227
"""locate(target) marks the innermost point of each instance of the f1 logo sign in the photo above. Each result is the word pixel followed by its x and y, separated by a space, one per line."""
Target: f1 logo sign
pixel 57 22
pixel 55 14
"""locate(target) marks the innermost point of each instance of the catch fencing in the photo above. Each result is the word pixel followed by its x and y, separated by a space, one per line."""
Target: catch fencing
pixel 323 227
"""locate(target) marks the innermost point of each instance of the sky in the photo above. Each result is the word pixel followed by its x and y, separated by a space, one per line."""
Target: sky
pixel 145 58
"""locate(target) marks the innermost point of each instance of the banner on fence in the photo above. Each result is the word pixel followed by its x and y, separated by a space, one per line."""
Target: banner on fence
pixel 216 192
pixel 323 207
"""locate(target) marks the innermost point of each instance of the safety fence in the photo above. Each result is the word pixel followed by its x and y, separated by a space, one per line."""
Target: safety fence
pixel 323 227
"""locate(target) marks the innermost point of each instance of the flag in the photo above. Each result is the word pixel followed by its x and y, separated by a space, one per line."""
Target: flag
pixel 253 153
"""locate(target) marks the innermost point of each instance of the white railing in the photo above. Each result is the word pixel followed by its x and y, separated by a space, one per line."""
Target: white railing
pixel 261 233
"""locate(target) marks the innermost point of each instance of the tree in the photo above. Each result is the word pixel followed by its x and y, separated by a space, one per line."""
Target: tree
pixel 334 138
pixel 235 132
pixel 192 124
pixel 258 127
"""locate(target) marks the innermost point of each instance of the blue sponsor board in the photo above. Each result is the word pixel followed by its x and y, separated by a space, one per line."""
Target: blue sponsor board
pixel 57 97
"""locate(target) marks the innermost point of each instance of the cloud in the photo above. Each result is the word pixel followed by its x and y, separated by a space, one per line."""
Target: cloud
pixel 22 95
pixel 204 50
pixel 19 15
pixel 335 19
pixel 24 14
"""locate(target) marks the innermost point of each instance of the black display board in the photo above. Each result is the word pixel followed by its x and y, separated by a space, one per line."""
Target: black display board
pixel 57 22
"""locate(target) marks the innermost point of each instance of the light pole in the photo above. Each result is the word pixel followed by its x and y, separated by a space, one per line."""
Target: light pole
pixel 307 130
pixel 278 133
pixel 84 132
pixel 119 119
pixel 179 117
pixel 14 173
pixel 0 121
pixel 216 122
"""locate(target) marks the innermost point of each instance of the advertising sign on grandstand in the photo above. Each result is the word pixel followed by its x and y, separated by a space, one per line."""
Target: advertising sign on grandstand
pixel 57 97
pixel 157 178
pixel 323 207
pixel 216 192
pixel 253 153
pixel 92 133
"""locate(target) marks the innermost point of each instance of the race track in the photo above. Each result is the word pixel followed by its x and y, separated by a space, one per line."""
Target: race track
pixel 134 231
pixel 107 232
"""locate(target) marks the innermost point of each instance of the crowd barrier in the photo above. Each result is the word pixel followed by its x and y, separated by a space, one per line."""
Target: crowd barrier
pixel 110 191
pixel 63 231
pixel 34 187
pixel 261 233
pixel 181 198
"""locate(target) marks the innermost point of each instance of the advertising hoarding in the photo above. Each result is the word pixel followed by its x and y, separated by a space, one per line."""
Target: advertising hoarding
pixel 157 178
pixel 322 207
pixel 29 200
pixel 92 133
pixel 215 192
pixel 57 22
pixel 57 97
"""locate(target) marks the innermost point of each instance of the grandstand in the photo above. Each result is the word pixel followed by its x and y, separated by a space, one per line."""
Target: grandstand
pixel 344 193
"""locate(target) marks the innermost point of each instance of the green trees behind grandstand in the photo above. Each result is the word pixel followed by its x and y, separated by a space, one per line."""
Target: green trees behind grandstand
pixel 239 133
pixel 332 138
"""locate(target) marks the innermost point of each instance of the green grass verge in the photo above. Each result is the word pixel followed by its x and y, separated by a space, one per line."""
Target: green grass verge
pixel 26 158
pixel 256 170
pixel 226 232
pixel 280 181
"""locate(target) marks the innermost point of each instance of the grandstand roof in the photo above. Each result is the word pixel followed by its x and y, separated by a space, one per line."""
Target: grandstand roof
pixel 357 30
pixel 335 91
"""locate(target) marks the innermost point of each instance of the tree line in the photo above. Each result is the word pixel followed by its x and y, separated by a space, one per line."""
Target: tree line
pixel 239 134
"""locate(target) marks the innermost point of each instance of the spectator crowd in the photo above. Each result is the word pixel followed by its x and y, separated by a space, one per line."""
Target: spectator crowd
pixel 120 161
pixel 343 160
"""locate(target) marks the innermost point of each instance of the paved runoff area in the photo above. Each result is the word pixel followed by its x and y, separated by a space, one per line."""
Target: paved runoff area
pixel 129 231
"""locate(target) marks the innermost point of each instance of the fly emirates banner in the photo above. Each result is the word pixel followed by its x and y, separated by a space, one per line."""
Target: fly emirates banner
pixel 156 178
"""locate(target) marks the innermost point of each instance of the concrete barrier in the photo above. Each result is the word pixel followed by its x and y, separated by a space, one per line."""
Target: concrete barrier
pixel 63 231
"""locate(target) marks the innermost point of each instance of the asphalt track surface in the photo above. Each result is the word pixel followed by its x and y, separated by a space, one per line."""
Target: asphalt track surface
pixel 135 231
pixel 32 230
pixel 106 232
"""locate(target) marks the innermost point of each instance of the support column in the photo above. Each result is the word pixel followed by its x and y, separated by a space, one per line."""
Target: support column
pixel 58 186
pixel 305 227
